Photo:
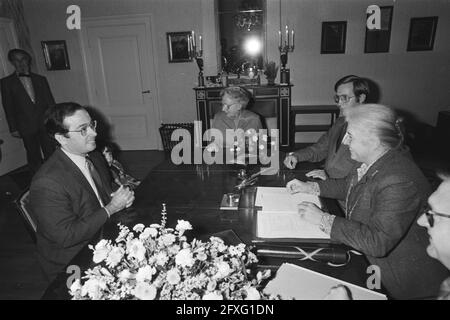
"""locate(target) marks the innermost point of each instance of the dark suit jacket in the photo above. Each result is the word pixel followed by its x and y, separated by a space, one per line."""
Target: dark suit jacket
pixel 384 207
pixel 21 113
pixel 338 162
pixel 67 211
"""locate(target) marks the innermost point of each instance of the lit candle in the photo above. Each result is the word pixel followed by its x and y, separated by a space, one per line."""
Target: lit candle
pixel 193 40
pixel 201 43
pixel 287 36
pixel 189 45
pixel 292 37
pixel 280 39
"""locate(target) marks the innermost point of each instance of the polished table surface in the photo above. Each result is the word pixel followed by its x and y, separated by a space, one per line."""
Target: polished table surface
pixel 194 193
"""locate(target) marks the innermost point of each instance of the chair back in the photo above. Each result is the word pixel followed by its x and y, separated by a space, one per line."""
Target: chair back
pixel 22 204
pixel 166 133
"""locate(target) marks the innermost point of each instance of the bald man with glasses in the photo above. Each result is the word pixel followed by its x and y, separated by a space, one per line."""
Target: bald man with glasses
pixel 350 91
pixel 72 196
pixel 436 218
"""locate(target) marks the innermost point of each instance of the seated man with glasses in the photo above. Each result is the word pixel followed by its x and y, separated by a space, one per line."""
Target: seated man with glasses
pixel 436 218
pixel 350 91
pixel 234 116
pixel 71 195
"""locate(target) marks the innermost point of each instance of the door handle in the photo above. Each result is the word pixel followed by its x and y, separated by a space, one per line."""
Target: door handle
pixel 146 91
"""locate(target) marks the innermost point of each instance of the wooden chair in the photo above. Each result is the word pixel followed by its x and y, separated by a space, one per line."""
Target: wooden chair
pixel 22 204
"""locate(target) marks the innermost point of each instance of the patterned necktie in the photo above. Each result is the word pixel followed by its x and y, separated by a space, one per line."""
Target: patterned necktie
pixel 102 191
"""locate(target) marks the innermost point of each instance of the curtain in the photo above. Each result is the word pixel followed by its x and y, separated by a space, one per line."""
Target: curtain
pixel 13 9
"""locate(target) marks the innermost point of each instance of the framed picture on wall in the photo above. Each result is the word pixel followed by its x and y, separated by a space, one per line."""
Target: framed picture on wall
pixel 333 37
pixel 377 40
pixel 179 47
pixel 421 33
pixel 55 55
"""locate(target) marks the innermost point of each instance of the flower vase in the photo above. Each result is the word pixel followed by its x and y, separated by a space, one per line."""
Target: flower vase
pixel 270 81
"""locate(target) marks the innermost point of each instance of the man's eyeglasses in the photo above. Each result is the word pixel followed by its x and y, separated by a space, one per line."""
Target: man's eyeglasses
pixel 83 130
pixel 430 215
pixel 343 98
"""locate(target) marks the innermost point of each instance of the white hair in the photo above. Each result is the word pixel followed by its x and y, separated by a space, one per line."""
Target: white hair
pixel 382 121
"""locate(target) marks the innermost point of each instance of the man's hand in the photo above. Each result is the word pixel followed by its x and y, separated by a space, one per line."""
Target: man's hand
pixel 317 174
pixel 290 161
pixel 16 134
pixel 120 199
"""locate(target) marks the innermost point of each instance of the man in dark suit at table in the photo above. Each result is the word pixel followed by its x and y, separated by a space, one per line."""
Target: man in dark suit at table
pixel 70 195
pixel 350 91
pixel 25 97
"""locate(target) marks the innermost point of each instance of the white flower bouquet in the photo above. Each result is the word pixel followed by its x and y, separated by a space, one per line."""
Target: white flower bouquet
pixel 156 262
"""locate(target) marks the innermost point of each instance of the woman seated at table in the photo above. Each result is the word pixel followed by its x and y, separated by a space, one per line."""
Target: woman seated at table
pixel 383 198
pixel 234 116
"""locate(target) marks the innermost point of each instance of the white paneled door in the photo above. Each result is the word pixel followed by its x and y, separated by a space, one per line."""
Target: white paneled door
pixel 12 152
pixel 120 68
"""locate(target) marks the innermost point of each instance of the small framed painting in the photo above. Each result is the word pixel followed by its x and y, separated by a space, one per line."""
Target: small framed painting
pixel 421 33
pixel 55 55
pixel 377 40
pixel 333 37
pixel 179 46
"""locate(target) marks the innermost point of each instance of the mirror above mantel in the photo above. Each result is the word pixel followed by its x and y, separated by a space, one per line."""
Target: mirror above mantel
pixel 241 33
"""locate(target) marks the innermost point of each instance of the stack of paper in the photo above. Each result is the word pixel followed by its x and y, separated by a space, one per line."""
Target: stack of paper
pixel 294 282
pixel 279 216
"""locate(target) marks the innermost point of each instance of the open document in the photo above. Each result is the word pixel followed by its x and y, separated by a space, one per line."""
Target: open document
pixel 279 216
pixel 294 282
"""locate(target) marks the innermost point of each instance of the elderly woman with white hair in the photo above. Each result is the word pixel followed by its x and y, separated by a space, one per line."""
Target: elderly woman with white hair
pixel 234 115
pixel 383 195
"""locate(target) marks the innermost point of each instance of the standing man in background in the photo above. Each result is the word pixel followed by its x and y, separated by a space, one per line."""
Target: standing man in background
pixel 25 97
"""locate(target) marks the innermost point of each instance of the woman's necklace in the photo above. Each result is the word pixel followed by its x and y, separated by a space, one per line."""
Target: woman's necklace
pixel 348 214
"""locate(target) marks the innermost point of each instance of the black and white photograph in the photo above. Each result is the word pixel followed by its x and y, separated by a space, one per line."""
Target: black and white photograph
pixel 257 150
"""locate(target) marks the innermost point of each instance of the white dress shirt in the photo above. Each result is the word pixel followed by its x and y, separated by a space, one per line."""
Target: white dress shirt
pixel 28 85
pixel 80 162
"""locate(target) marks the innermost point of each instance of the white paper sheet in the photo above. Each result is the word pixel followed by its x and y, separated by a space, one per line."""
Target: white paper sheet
pixel 292 281
pixel 280 200
pixel 279 216
pixel 273 225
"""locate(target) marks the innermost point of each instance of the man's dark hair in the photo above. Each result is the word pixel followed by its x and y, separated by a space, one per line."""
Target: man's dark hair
pixel 13 52
pixel 55 115
pixel 360 85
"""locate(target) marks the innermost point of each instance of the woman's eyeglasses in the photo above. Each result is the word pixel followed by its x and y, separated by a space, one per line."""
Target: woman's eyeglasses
pixel 343 98
pixel 83 130
pixel 430 215
pixel 228 106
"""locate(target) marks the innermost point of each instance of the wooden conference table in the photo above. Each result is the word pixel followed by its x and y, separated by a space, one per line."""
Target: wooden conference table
pixel 194 193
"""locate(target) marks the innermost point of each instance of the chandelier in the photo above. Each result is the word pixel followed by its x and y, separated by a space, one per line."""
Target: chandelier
pixel 248 19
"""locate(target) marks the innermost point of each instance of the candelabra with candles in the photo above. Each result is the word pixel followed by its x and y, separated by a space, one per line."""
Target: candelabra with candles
pixel 285 47
pixel 197 55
